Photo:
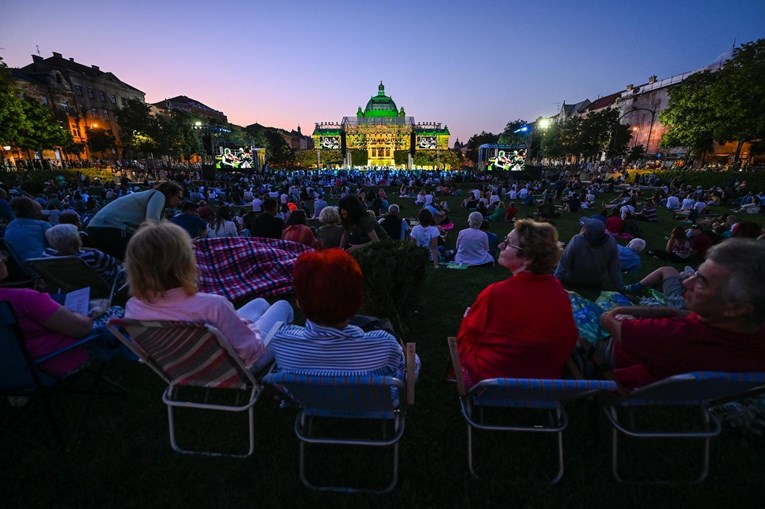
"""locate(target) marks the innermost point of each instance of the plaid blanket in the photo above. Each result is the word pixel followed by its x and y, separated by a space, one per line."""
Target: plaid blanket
pixel 246 267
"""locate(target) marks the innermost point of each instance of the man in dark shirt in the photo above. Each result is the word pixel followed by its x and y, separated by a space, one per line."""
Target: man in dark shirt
pixel 267 224
pixel 190 221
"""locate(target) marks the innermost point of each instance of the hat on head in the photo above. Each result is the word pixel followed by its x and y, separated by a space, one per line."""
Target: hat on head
pixel 593 226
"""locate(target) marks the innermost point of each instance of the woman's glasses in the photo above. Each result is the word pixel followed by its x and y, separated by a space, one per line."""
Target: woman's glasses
pixel 504 245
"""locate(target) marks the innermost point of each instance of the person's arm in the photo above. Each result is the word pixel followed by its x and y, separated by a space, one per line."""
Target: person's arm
pixel 154 206
pixel 68 323
pixel 434 251
pixel 612 320
pixel 344 239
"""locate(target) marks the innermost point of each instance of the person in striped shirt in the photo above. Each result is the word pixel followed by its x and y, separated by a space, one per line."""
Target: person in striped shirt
pixel 328 289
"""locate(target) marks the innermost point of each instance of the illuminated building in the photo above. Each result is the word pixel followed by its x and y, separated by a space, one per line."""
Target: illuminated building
pixel 389 137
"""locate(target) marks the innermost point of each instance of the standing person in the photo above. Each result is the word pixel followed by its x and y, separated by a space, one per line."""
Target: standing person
pixel 589 255
pixel 358 226
pixel 267 224
pixel 162 273
pixel 113 225
pixel 521 327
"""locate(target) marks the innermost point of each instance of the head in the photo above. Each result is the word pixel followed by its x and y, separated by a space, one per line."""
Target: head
pixel 425 217
pixel 70 217
pixel 637 245
pixel 328 286
pixel 329 215
pixel 191 208
pixel 160 257
pixel 173 193
pixel 222 213
pixel 730 284
pixel 531 246
pixel 270 206
pixel 64 238
pixel 394 210
pixel 25 207
pixel 593 228
pixel 297 217
pixel 677 232
pixel 350 209
pixel 475 219
pixel 748 229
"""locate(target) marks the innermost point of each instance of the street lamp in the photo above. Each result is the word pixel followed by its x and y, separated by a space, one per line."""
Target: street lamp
pixel 650 129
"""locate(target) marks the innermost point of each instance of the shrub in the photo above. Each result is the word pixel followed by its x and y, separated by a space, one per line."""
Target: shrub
pixel 394 278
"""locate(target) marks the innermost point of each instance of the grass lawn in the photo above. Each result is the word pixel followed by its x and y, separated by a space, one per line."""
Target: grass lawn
pixel 122 458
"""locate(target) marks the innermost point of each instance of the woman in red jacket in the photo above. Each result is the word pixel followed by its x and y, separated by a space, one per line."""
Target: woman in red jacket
pixel 521 327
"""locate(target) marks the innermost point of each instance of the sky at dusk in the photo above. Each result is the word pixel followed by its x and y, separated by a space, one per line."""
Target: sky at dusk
pixel 472 65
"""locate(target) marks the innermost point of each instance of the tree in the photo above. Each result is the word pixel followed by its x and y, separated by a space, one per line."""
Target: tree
pixel 690 116
pixel 40 129
pixel 513 135
pixel 476 141
pixel 100 140
pixel 636 153
pixel 11 109
pixel 139 131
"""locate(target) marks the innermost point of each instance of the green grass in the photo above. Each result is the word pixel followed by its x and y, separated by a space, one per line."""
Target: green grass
pixel 123 459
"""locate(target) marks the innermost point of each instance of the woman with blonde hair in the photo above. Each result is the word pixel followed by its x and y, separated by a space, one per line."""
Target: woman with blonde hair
pixel 162 273
pixel 521 327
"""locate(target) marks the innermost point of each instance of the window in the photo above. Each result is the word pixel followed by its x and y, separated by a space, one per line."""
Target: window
pixel 122 101
pixel 113 99
pixel 102 96
pixel 75 130
pixel 43 100
pixel 78 90
pixel 90 93
pixel 106 114
pixel 65 106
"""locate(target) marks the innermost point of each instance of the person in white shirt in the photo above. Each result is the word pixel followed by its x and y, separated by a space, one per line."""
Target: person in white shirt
pixel 473 244
pixel 257 204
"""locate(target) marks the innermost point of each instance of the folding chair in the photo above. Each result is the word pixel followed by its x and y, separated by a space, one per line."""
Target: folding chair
pixel 23 376
pixel 190 355
pixel 520 393
pixel 68 273
pixel 19 274
pixel 351 397
pixel 698 389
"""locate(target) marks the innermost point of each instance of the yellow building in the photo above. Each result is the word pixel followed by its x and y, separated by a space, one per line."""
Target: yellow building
pixel 383 133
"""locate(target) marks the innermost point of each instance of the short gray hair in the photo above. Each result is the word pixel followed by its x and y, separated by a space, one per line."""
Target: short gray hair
pixel 475 219
pixel 64 238
pixel 329 215
pixel 636 245
pixel 394 209
pixel 745 258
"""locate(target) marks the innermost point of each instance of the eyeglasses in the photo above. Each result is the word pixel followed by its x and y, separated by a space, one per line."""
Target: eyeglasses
pixel 504 245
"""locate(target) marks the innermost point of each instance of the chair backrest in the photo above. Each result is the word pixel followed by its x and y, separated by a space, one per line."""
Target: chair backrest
pixel 184 353
pixel 69 273
pixel 18 273
pixel 698 387
pixel 351 396
pixel 16 373
pixel 534 393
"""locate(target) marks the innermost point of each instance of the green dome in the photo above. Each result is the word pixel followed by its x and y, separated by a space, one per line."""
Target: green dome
pixel 381 105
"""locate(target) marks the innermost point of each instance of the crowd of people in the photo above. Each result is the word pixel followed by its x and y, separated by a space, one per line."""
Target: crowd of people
pixel 715 320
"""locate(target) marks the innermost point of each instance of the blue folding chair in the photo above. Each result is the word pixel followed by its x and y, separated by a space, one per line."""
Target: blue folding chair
pixel 355 397
pixel 24 376
pixel 699 389
pixel 520 393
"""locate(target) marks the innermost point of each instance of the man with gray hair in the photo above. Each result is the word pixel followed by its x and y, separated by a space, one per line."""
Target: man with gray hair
pixel 721 328
pixel 64 240
pixel 394 225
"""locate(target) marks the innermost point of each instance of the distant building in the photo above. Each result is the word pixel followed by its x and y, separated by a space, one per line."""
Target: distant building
pixel 381 129
pixel 81 96
pixel 196 108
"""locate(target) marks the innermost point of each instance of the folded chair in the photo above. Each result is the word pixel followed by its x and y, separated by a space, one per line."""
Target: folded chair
pixel 699 389
pixel 23 376
pixel 351 397
pixel 520 393
pixel 68 273
pixel 192 358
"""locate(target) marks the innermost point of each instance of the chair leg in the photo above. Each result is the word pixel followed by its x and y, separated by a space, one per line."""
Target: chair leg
pixel 559 440
pixel 470 451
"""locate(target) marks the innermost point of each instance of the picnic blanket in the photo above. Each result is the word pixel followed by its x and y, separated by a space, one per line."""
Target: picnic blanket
pixel 246 267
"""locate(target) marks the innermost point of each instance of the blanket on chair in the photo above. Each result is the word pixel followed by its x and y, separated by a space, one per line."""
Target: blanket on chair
pixel 246 267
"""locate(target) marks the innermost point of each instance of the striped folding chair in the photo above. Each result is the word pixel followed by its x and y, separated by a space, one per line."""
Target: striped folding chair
pixel 192 355
pixel 700 389
pixel 367 397
pixel 520 393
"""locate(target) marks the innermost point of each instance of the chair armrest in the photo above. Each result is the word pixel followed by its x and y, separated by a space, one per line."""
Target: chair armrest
pixel 77 344
pixel 458 375
pixel 410 372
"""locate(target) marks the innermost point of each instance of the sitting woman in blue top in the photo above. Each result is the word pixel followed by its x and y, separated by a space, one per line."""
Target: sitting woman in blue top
pixel 328 289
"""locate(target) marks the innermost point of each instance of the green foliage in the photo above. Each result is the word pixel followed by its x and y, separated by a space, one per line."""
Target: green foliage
pixel 40 129
pixel 100 139
pixel 401 157
pixel 308 158
pixel 705 179
pixel 636 153
pixel 510 137
pixel 394 278
pixel 476 141
pixel 359 156
pixel 12 119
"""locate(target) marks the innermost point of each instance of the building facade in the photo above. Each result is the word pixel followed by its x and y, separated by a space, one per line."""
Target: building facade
pixel 382 130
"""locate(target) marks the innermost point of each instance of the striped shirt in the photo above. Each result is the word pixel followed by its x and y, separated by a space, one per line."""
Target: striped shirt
pixel 326 351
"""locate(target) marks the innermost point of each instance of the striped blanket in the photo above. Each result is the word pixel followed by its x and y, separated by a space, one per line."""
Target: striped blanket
pixel 242 268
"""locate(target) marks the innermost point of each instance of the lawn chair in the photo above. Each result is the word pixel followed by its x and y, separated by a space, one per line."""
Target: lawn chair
pixel 25 377
pixel 699 389
pixel 352 397
pixel 520 393
pixel 19 275
pixel 192 358
pixel 63 274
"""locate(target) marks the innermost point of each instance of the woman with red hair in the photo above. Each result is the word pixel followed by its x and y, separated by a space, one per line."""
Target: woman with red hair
pixel 328 289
